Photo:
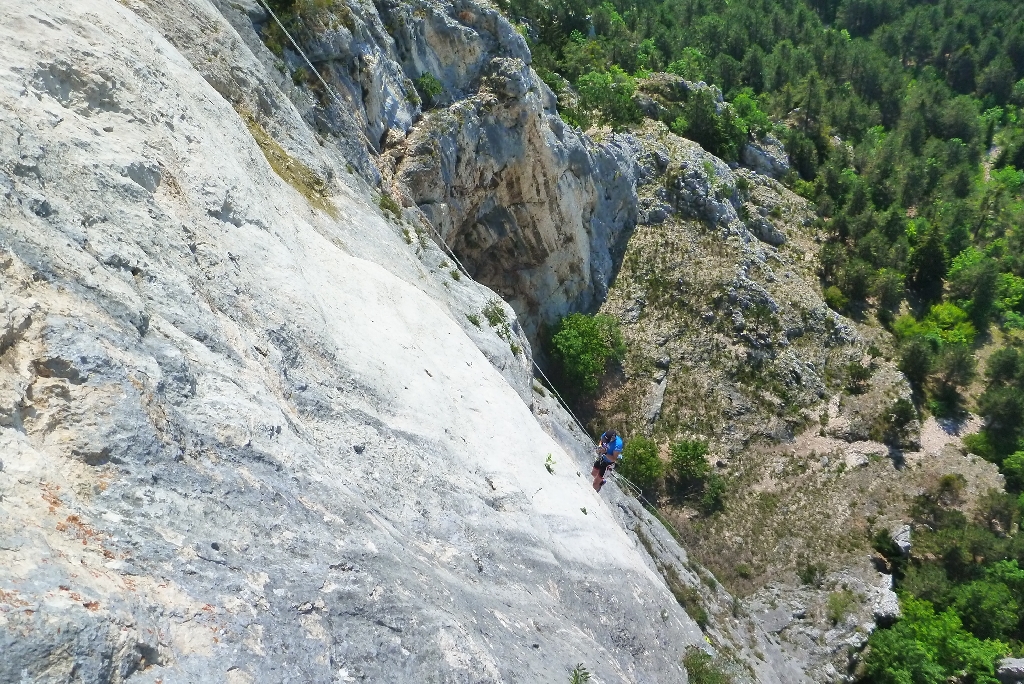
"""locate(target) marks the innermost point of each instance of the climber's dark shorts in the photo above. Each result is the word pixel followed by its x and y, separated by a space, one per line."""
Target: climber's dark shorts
pixel 601 464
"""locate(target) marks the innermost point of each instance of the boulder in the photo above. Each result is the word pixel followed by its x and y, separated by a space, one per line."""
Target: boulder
pixel 901 537
pixel 765 231
pixel 777 619
pixel 1010 671
pixel 886 607
pixel 767 156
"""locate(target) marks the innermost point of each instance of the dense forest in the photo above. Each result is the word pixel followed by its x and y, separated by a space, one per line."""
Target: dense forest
pixel 903 122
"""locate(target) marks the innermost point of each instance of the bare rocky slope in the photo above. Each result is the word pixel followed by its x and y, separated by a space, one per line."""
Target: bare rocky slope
pixel 730 342
pixel 254 427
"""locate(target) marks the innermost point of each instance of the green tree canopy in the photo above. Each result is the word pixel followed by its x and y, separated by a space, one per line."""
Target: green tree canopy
pixel 926 647
pixel 641 464
pixel 582 346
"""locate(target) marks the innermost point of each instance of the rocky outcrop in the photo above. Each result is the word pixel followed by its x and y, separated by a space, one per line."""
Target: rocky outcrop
pixel 901 537
pixel 828 623
pixel 731 342
pixel 658 92
pixel 1010 671
pixel 535 210
pixel 766 156
pixel 719 298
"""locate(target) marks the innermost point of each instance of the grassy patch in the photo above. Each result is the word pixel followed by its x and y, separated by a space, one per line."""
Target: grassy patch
pixel 291 170
pixel 701 668
pixel 839 605
pixel 388 204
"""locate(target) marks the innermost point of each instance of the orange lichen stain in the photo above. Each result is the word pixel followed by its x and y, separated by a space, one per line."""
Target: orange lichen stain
pixel 11 599
pixel 91 605
pixel 77 528
pixel 50 496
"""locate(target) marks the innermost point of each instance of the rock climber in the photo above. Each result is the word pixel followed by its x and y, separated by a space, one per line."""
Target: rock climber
pixel 609 449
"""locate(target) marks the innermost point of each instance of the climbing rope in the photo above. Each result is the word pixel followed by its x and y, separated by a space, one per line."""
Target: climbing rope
pixel 327 87
pixel 624 483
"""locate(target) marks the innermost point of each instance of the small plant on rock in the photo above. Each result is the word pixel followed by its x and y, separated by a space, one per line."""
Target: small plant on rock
pixel 428 87
pixel 388 204
pixel 579 675
pixel 857 377
pixel 701 668
pixel 495 314
pixel 839 605
pixel 713 498
pixel 892 425
pixel 811 574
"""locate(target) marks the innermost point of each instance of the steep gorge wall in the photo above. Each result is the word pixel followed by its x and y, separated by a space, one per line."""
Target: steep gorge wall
pixel 537 211
pixel 533 208
pixel 243 438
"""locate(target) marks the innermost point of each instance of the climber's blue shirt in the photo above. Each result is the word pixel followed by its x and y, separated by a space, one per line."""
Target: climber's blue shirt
pixel 613 445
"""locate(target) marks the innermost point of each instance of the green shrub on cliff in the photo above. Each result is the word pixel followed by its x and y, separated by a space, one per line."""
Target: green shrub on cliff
pixel 582 346
pixel 428 87
pixel 610 94
pixel 641 464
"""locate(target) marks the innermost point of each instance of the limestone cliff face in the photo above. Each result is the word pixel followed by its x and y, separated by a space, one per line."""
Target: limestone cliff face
pixel 247 430
pixel 536 210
